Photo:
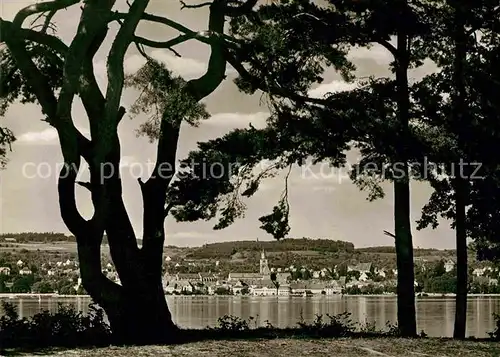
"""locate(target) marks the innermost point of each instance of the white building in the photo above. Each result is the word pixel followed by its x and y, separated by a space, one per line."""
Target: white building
pixel 333 288
pixel 449 265
pixel 266 290
pixel 25 271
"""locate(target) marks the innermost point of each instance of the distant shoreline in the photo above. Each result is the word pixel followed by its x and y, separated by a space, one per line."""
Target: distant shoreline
pixel 420 295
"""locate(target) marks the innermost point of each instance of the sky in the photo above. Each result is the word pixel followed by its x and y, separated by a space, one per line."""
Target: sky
pixel 323 202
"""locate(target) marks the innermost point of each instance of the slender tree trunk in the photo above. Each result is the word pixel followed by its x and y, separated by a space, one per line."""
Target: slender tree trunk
pixel 460 180
pixel 461 238
pixel 404 255
pixel 402 226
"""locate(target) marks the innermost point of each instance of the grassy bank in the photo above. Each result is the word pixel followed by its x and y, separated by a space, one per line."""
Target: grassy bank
pixel 340 347
pixel 70 333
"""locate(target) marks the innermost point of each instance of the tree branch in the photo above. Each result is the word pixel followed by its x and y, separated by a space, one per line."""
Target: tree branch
pixel 42 90
pixel 388 46
pixel 92 22
pixel 86 185
pixel 389 234
pixel 48 40
pixel 116 58
pixel 216 72
pixel 46 24
pixel 206 37
pixel 276 90
pixel 166 44
pixel 168 208
pixel 196 6
pixel 56 5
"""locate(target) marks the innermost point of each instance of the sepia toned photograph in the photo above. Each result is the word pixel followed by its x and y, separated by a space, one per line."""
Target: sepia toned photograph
pixel 233 178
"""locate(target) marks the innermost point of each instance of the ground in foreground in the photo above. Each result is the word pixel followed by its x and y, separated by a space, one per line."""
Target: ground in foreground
pixel 340 347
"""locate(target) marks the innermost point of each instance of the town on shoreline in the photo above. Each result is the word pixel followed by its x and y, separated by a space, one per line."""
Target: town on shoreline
pixel 243 268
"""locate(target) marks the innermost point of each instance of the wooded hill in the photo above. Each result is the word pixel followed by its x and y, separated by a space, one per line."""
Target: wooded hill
pixel 244 255
pixel 44 237
pixel 228 249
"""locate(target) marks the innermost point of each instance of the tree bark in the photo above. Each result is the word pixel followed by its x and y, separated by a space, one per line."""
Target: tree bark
pixel 142 316
pixel 402 227
pixel 136 309
pixel 461 240
pixel 404 255
pixel 461 179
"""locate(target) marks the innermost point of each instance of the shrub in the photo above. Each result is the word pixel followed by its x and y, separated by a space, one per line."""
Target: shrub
pixel 339 325
pixel 66 327
pixel 495 335
pixel 232 323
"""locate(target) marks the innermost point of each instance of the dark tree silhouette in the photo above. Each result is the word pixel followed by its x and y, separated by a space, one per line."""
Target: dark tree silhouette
pixel 41 68
pixel 299 39
pixel 465 121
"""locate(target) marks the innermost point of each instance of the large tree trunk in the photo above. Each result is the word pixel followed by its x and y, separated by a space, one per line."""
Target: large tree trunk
pixel 404 255
pixel 137 310
pixel 461 238
pixel 142 317
pixel 461 177
pixel 404 246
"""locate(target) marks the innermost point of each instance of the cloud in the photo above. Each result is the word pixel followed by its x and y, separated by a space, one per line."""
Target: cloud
pixel 324 189
pixel 239 120
pixel 332 87
pixel 45 137
pixel 190 234
pixel 185 67
pixel 182 66
pixel 48 136
pixel 377 53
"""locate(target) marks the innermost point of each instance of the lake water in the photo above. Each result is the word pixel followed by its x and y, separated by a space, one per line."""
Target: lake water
pixel 435 315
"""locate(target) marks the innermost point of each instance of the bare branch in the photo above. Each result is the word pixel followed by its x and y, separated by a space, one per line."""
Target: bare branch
pixel 40 8
pixel 167 44
pixel 207 37
pixel 48 40
pixel 216 71
pixel 388 46
pixel 92 24
pixel 84 184
pixel 285 192
pixel 196 6
pixel 116 57
pixel 47 21
pixel 389 234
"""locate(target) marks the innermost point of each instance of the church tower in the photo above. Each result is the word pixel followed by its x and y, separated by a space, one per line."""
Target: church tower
pixel 264 265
